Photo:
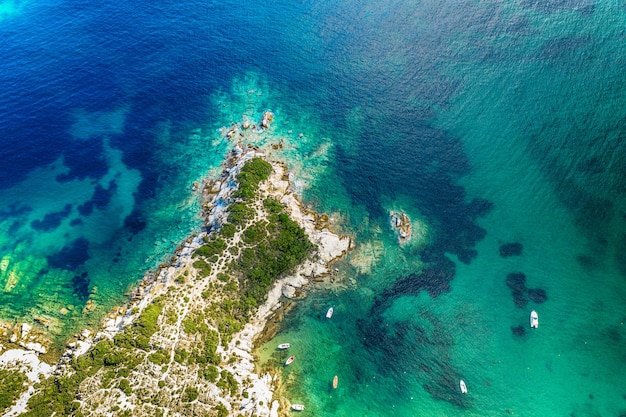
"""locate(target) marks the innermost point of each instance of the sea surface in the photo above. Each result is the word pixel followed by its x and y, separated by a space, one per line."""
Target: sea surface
pixel 499 127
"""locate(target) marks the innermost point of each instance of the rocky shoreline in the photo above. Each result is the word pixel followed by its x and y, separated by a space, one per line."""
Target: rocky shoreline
pixel 255 391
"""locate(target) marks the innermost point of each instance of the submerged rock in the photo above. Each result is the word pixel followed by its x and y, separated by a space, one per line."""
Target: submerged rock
pixel 268 117
pixel 538 295
pixel 230 133
pixel 516 281
pixel 518 330
pixel 511 249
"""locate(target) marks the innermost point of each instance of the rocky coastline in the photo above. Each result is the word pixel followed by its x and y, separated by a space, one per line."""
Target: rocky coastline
pixel 181 291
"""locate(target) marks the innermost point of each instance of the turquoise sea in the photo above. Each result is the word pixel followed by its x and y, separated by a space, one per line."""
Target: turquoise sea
pixel 497 126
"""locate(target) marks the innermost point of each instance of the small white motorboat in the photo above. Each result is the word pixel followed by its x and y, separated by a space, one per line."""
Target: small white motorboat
pixel 463 387
pixel 291 359
pixel 297 407
pixel 335 382
pixel 329 313
pixel 283 346
pixel 534 319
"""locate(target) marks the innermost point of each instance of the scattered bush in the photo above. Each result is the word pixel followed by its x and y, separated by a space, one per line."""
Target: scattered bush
pixel 211 373
pixel 181 355
pixel 190 394
pixel 159 357
pixel 125 386
pixel 228 382
pixel 12 383
pixel 214 247
pixel 221 410
pixel 228 231
pixel 252 173
pixel 203 268
pixel 239 213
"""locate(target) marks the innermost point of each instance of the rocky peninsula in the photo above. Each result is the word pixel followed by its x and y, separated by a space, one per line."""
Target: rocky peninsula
pixel 183 346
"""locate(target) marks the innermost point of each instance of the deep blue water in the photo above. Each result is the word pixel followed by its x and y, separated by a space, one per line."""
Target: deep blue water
pixel 488 123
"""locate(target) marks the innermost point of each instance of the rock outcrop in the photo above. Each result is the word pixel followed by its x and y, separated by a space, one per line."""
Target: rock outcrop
pixel 402 225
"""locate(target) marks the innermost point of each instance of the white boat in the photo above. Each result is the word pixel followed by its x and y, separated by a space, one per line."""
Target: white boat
pixel 329 313
pixel 291 359
pixel 284 346
pixel 463 387
pixel 534 319
pixel 297 407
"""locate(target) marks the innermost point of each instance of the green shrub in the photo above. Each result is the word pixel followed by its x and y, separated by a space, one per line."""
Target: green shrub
pixel 142 342
pixel 221 410
pixel 228 230
pixel 190 394
pixel 12 386
pixel 214 247
pixel 159 357
pixel 272 205
pixel 181 355
pixel 125 386
pixel 210 373
pixel 146 323
pixel 203 268
pixel 254 234
pixel 252 173
pixel 113 359
pixel 171 317
pixel 239 213
pixel 228 382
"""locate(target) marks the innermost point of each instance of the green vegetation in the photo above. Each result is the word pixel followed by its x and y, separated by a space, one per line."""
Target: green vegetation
pixel 272 205
pixel 57 393
pixel 190 394
pixel 252 173
pixel 254 233
pixel 143 328
pixel 203 268
pixel 125 386
pixel 228 231
pixel 286 247
pixel 159 357
pixel 214 247
pixel 170 316
pixel 268 249
pixel 12 386
pixel 146 324
pixel 239 213
pixel 228 382
pixel 210 373
pixel 221 410
pixel 181 355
